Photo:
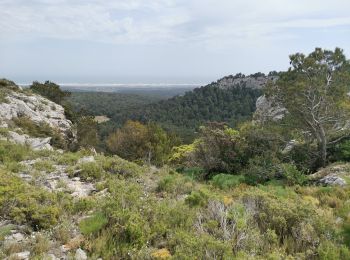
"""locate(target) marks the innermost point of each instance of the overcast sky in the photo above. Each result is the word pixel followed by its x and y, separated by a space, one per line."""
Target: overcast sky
pixel 184 41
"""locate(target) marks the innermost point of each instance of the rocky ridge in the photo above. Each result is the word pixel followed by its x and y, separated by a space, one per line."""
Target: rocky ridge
pixel 17 103
pixel 254 81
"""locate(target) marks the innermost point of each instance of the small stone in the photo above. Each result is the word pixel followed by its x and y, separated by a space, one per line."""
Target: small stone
pixel 80 254
pixel 16 237
pixel 65 248
pixel 333 181
pixel 21 256
pixel 86 159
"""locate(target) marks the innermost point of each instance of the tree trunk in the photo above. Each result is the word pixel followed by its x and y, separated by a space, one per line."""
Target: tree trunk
pixel 323 146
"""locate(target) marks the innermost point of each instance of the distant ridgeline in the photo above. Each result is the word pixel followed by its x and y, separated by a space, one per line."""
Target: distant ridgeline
pixel 230 99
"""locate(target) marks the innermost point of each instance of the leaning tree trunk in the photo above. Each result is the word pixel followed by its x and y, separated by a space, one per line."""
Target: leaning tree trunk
pixel 322 146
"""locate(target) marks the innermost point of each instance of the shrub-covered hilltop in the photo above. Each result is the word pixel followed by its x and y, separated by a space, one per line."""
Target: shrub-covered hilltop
pixel 230 99
pixel 275 187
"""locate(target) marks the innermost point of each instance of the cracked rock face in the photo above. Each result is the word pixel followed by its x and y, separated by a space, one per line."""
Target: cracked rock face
pixel 333 175
pixel 59 180
pixel 245 81
pixel 35 143
pixel 36 108
pixel 266 110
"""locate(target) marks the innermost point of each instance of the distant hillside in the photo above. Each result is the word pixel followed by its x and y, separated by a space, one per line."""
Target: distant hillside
pixel 112 105
pixel 230 99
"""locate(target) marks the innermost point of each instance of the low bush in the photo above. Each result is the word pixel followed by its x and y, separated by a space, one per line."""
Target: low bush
pixel 90 171
pixel 93 224
pixel 26 204
pixel 197 198
pixel 261 169
pixel 117 165
pixel 292 175
pixel 226 181
pixel 10 152
pixel 175 184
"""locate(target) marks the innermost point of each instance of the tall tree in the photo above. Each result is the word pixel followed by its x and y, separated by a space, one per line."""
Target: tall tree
pixel 315 92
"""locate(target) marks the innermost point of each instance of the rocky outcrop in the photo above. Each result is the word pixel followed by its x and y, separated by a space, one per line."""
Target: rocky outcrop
pixel 37 108
pixel 34 143
pixel 58 180
pixel 267 110
pixel 255 81
pixel 333 175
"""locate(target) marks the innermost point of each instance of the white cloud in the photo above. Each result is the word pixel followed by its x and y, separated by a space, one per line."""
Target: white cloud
pixel 163 21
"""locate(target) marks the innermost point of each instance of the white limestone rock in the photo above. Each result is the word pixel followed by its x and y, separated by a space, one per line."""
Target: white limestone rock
pixel 86 159
pixel 36 108
pixel 267 110
pixel 35 143
pixel 80 254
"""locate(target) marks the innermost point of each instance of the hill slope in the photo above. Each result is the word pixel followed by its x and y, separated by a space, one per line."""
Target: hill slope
pixel 231 99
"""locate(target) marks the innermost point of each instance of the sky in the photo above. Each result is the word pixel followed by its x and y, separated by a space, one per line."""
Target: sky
pixel 162 41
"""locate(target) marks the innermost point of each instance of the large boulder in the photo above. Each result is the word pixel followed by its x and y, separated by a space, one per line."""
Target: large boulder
pixel 38 109
pixel 332 175
pixel 268 109
pixel 35 143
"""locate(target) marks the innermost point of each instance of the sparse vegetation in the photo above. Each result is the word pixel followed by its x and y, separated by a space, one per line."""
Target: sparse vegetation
pixel 249 192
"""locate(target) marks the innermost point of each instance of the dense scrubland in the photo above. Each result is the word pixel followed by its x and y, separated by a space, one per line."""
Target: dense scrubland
pixel 253 188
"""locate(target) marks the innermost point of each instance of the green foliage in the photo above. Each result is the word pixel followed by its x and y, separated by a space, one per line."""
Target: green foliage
pixel 87 132
pixel 138 142
pixel 49 90
pixel 25 204
pixel 5 87
pixel 261 169
pixel 44 165
pixel 210 103
pixel 13 152
pixel 175 184
pixel 180 154
pixel 197 198
pixel 93 224
pixel 314 91
pixel 292 175
pixel 226 181
pixel 341 152
pixel 195 173
pixel 40 130
pixel 218 149
pixel 90 170
pixel 119 166
pixel 181 114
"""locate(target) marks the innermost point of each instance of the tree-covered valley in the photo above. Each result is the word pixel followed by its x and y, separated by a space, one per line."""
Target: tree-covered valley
pixel 248 167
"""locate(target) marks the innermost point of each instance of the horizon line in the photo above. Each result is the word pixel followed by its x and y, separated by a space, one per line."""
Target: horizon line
pixel 121 84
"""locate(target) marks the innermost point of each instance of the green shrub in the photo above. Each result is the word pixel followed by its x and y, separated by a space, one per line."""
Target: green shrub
pixel 91 170
pixel 175 184
pixel 44 165
pixel 93 224
pixel 41 130
pixel 329 251
pixel 117 165
pixel 10 152
pixel 197 198
pixel 227 181
pixel 68 158
pixel 261 169
pixel 341 152
pixel 5 231
pixel 26 204
pixel 194 173
pixel 292 175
